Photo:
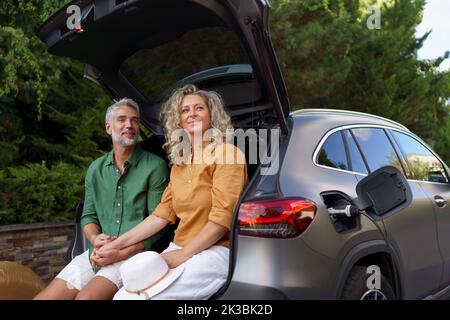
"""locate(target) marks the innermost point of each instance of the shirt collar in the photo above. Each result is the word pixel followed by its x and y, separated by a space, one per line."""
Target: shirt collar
pixel 133 159
pixel 109 158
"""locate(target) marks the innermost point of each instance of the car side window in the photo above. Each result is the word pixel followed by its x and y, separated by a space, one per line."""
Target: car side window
pixel 376 148
pixel 422 164
pixel 333 153
pixel 356 160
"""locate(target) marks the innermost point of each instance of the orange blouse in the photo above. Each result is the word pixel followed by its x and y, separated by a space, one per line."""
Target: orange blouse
pixel 198 193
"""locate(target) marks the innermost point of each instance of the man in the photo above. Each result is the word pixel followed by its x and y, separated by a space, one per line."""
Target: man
pixel 121 189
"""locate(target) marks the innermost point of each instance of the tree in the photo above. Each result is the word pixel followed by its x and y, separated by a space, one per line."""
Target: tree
pixel 50 120
pixel 331 59
pixel 46 106
pixel 26 68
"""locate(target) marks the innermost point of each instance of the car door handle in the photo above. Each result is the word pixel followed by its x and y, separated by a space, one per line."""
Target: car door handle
pixel 440 202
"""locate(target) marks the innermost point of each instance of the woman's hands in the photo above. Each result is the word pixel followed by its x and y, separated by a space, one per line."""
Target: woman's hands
pixel 110 245
pixel 102 239
pixel 105 258
pixel 113 252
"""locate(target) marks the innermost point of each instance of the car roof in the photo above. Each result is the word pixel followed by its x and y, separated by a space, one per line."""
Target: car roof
pixel 353 116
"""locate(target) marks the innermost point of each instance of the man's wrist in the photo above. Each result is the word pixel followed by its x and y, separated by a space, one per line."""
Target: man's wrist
pixel 94 238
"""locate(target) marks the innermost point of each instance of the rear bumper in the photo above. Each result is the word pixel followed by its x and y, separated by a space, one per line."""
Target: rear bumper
pixel 280 269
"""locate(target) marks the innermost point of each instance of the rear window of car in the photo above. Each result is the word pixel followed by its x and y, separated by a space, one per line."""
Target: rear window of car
pixel 376 148
pixel 422 164
pixel 153 71
pixel 332 154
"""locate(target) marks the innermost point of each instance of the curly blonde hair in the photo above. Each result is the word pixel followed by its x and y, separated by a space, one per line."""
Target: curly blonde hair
pixel 170 115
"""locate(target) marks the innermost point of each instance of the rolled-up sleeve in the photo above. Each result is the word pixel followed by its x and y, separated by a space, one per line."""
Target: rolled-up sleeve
pixel 228 182
pixel 164 209
pixel 89 212
pixel 157 184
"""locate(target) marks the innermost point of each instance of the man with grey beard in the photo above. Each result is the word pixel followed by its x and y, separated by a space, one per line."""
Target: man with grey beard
pixel 121 189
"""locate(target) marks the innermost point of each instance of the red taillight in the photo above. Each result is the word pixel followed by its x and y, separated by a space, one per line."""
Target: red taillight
pixel 279 218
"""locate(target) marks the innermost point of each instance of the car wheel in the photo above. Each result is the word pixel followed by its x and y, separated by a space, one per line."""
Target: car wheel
pixel 356 287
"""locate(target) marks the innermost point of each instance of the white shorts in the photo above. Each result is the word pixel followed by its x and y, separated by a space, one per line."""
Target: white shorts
pixel 79 272
pixel 204 274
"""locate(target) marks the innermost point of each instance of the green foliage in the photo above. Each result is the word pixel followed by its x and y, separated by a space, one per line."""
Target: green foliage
pixel 78 119
pixel 26 69
pixel 35 193
pixel 48 114
pixel 441 141
pixel 10 132
pixel 331 59
pixel 46 106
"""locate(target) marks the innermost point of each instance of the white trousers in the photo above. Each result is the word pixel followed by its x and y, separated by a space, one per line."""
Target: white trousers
pixel 204 274
pixel 79 272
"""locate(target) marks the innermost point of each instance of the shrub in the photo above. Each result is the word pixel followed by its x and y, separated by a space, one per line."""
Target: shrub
pixel 35 193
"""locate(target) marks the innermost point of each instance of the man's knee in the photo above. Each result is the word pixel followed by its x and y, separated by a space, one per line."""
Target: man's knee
pixel 99 288
pixel 57 290
pixel 95 295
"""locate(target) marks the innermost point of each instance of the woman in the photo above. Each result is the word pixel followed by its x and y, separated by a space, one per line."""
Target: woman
pixel 203 191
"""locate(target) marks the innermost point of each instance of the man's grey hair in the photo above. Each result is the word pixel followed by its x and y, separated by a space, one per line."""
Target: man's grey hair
pixel 122 102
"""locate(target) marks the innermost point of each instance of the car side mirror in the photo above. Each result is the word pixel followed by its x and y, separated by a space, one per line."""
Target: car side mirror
pixel 384 191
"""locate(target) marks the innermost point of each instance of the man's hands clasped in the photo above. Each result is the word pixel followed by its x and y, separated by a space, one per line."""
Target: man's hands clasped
pixel 101 258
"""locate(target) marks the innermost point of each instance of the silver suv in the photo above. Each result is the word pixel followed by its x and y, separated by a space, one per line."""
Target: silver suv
pixel 319 219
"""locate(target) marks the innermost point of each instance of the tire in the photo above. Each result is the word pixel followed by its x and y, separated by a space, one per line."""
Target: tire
pixel 356 288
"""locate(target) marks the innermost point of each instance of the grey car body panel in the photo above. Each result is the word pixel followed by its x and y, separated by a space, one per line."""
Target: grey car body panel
pixel 433 190
pixel 289 266
pixel 437 191
pixel 412 232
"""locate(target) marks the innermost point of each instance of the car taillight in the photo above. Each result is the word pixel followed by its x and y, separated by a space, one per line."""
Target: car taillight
pixel 277 218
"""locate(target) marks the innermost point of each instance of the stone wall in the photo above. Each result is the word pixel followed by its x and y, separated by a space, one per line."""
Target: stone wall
pixel 40 246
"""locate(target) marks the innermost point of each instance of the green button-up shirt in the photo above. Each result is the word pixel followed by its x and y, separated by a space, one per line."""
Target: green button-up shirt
pixel 117 202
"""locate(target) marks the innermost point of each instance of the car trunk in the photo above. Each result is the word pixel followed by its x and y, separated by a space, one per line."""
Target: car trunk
pixel 144 49
pixel 112 32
